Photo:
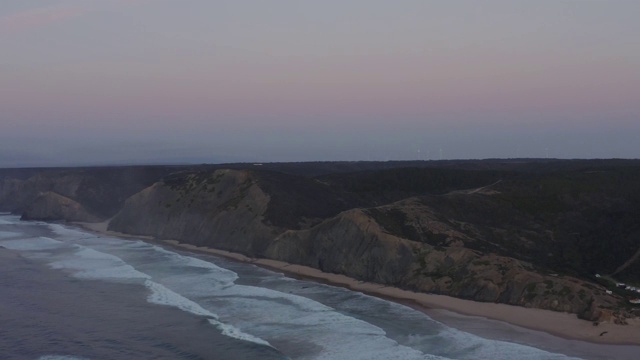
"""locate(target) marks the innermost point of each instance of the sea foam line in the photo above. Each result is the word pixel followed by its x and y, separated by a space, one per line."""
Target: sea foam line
pixel 92 264
pixel 161 295
pixel 9 234
pixel 32 244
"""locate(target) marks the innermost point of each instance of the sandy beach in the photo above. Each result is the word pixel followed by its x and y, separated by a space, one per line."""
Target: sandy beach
pixel 563 325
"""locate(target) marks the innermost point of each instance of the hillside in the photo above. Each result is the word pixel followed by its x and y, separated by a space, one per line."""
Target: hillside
pixel 529 233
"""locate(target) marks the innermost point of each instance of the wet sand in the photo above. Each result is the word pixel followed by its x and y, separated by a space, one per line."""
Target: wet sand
pixel 563 325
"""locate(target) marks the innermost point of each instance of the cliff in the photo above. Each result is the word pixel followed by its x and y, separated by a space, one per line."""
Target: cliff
pixel 222 209
pixel 52 206
pixel 355 244
pixel 101 192
pixel 531 234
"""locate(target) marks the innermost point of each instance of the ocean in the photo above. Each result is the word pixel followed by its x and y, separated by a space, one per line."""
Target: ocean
pixel 69 294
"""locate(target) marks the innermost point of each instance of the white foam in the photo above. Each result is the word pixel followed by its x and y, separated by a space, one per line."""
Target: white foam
pixel 88 253
pixel 234 332
pixel 192 261
pixel 199 263
pixel 302 303
pixel 65 231
pixel 161 295
pixel 454 343
pixel 124 272
pixel 7 219
pixel 89 263
pixel 281 315
pixel 269 313
pixel 8 234
pixel 469 346
pixel 174 279
pixel 32 244
pixel 219 276
pixel 92 264
pixel 189 273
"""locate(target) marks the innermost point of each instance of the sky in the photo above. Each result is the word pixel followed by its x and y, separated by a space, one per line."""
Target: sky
pixel 96 82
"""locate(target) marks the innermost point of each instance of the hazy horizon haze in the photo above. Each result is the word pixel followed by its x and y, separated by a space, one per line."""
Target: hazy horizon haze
pixel 149 81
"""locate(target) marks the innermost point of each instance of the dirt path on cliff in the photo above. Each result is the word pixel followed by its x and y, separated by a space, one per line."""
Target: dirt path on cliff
pixel 473 191
pixel 627 263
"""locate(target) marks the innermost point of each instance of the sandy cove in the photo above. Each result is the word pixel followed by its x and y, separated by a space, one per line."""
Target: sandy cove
pixel 564 325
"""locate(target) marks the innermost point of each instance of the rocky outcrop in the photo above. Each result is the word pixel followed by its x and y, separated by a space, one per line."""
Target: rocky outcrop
pixel 18 194
pixel 52 206
pixel 351 244
pixel 533 239
pixel 354 244
pixel 222 209
pixel 100 191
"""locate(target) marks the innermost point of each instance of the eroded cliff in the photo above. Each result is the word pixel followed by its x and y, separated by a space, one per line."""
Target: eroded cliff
pixel 355 244
pixel 100 192
pixel 222 209
pixel 527 236
pixel 53 206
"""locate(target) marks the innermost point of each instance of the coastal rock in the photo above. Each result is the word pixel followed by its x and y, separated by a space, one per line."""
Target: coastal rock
pixel 51 206
pixel 531 238
pixel 354 244
pixel 351 244
pixel 101 191
pixel 222 209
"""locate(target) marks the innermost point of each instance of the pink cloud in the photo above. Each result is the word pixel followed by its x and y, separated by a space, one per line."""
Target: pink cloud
pixel 36 18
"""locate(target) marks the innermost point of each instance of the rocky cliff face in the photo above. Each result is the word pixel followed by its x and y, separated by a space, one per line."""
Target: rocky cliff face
pixel 101 192
pixel 408 244
pixel 351 243
pixel 355 244
pixel 17 194
pixel 531 239
pixel 223 209
pixel 53 206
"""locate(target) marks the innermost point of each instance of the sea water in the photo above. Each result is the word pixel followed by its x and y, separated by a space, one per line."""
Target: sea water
pixel 69 294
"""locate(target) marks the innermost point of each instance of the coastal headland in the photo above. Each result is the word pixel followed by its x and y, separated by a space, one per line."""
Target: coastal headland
pixel 564 325
pixel 543 244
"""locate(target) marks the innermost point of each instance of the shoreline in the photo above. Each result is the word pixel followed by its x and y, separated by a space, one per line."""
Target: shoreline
pixel 562 325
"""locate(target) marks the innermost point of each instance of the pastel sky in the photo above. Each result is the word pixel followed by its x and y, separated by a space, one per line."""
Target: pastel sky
pixel 168 81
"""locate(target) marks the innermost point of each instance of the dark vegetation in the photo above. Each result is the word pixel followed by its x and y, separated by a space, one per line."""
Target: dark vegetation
pixel 104 190
pixel 577 217
pixel 592 216
pixel 570 217
pixel 296 200
pixel 578 222
pixel 384 186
